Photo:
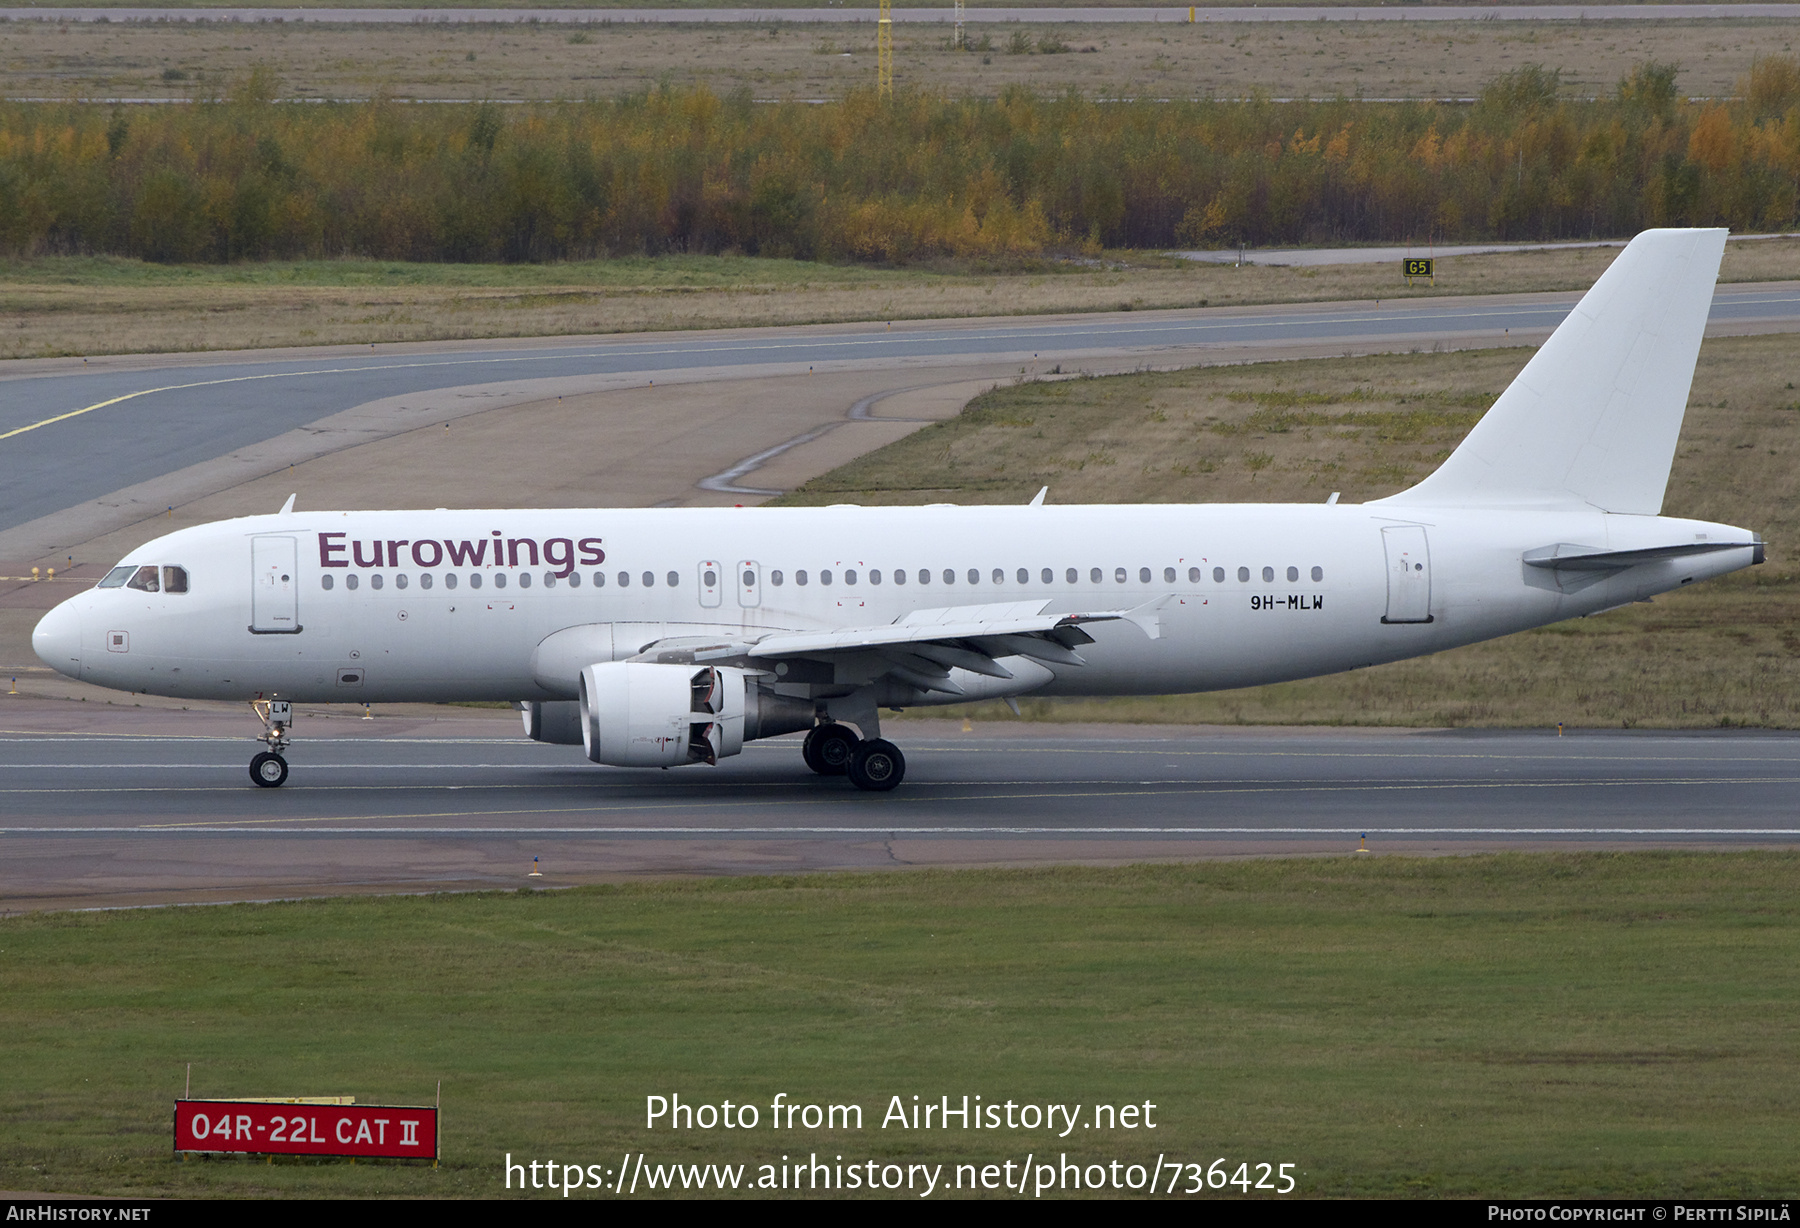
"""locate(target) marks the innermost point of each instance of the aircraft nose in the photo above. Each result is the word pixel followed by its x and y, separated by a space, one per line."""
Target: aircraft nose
pixel 57 639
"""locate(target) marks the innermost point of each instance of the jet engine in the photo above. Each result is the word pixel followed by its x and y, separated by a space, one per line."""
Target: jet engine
pixel 643 714
pixel 557 721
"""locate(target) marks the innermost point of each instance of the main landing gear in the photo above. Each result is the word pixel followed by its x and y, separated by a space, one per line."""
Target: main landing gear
pixel 874 765
pixel 268 769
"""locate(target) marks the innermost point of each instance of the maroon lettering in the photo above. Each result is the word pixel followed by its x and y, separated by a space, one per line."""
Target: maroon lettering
pixel 467 554
pixel 559 552
pixel 591 553
pixel 356 550
pixel 418 553
pixel 512 550
pixel 327 549
pixel 393 552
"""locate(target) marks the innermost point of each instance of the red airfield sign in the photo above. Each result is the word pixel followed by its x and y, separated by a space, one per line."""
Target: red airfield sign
pixel 261 1127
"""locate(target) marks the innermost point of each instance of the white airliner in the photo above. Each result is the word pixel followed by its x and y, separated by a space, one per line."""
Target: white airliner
pixel 663 637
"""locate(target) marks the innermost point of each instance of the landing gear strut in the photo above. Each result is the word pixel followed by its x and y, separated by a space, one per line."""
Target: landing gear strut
pixel 268 769
pixel 874 765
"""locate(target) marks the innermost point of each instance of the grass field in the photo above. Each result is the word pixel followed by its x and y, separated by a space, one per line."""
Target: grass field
pixel 824 60
pixel 1719 654
pixel 104 305
pixel 1519 1025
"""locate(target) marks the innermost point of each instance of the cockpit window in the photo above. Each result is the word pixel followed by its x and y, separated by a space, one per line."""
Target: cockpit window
pixel 145 581
pixel 174 579
pixel 116 577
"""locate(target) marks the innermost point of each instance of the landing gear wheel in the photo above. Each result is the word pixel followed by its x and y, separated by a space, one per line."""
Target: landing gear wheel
pixel 877 766
pixel 828 749
pixel 268 770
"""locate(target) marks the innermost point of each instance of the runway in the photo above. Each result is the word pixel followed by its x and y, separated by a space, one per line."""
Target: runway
pixel 974 16
pixel 72 431
pixel 141 812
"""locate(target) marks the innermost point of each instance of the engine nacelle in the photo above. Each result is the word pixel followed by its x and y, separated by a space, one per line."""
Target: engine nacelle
pixel 556 721
pixel 640 714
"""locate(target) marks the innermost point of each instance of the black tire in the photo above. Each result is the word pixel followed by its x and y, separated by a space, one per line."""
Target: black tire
pixel 877 766
pixel 268 770
pixel 829 749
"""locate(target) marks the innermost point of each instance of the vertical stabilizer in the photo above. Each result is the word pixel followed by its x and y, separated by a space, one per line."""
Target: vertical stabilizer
pixel 1594 416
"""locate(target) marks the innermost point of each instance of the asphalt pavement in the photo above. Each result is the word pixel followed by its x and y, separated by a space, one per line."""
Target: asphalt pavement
pixel 73 431
pixel 141 812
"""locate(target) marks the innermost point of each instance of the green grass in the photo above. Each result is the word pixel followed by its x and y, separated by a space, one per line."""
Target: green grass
pixel 1517 1025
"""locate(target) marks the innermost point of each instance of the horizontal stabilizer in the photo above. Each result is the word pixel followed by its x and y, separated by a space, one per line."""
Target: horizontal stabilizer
pixel 1594 416
pixel 1565 556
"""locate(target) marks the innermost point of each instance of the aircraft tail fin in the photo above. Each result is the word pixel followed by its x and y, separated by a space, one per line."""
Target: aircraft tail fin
pixel 1594 416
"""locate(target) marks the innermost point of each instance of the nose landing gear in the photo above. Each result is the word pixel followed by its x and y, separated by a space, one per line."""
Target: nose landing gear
pixel 268 769
pixel 873 765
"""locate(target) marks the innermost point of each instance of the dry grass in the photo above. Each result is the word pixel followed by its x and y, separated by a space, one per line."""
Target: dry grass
pixel 518 61
pixel 54 307
pixel 1723 653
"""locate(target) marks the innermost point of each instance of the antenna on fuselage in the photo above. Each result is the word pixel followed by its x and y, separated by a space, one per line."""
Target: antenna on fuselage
pixel 289 505
pixel 1037 500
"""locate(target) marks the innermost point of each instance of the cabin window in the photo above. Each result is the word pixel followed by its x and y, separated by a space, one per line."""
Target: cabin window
pixel 775 578
pixel 375 581
pixel 1243 575
pixel 1293 574
pixel 999 575
pixel 924 576
pixel 1193 575
pixel 1143 575
pixel 674 579
pixel 1072 575
pixel 549 579
pixel 825 576
pixel 949 576
pixel 899 575
pixel 850 576
pixel 800 578
pixel 649 579
pixel 400 580
pixel 974 576
pixel 574 579
pixel 474 579
pixel 624 579
pixel 524 579
pixel 145 581
pixel 449 579
pixel 1094 576
pixel 175 580
pixel 325 582
pixel 1048 576
pixel 1118 575
pixel 499 579
pixel 1024 576
pixel 874 575
pixel 1268 575
pixel 1218 575
pixel 425 579
pixel 599 579
pixel 1318 573
pixel 351 581
pixel 117 576
pixel 709 577
pixel 1169 575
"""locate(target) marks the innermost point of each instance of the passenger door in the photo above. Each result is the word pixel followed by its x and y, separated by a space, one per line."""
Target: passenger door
pixel 274 588
pixel 1408 574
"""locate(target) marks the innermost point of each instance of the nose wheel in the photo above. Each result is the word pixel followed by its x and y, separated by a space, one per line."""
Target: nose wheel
pixel 267 768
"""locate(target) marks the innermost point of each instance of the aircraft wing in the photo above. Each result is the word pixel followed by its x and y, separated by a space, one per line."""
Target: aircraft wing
pixel 923 646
